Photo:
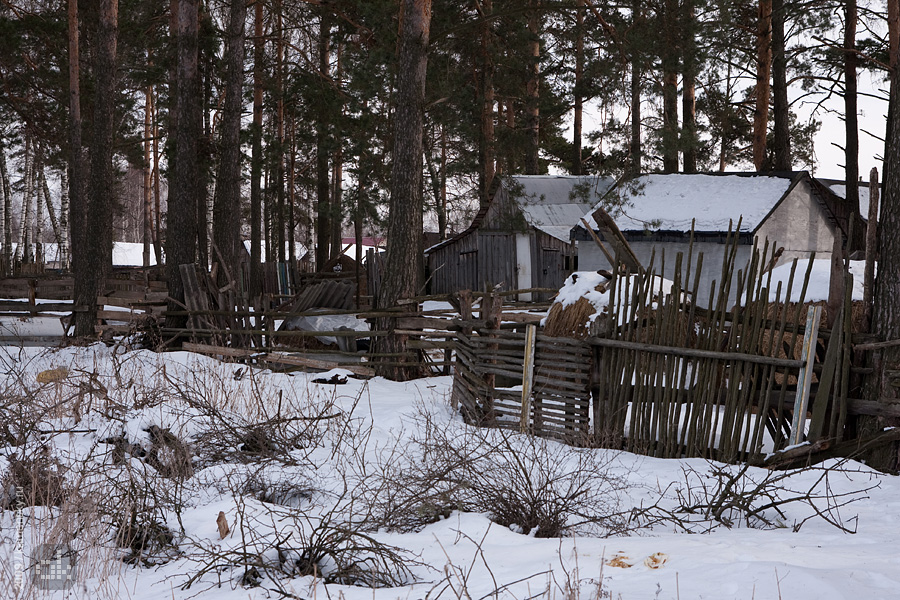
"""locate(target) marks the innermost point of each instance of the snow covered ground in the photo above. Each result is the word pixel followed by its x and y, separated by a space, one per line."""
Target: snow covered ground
pixel 159 444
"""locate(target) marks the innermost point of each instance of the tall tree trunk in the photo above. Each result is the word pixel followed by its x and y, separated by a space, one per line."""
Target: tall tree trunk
pixel 75 166
pixel 7 212
pixel 578 111
pixel 532 92
pixel 23 250
pixel 669 57
pixel 511 163
pixel 206 67
pixel 182 239
pixel 62 238
pixel 51 214
pixel 442 204
pixel 94 262
pixel 851 121
pixel 635 149
pixel 256 156
pixel 486 145
pixel 39 185
pixel 886 314
pixel 402 263
pixel 886 310
pixel 689 141
pixel 323 201
pixel 227 199
pixel 763 88
pixel 337 192
pixel 292 193
pixel 781 109
pixel 278 155
pixel 157 201
pixel 147 173
pixel 337 170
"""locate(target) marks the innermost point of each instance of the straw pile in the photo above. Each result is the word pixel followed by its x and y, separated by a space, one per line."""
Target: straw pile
pixel 582 299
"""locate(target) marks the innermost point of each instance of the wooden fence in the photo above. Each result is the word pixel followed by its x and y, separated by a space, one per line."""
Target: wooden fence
pixel 746 375
pixel 547 395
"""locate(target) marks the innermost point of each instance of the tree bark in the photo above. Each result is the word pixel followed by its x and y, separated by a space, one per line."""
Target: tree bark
pixel 256 157
pixel 402 273
pixel 7 212
pixel 886 313
pixel 486 147
pixel 763 88
pixel 278 155
pixel 851 120
pixel 689 141
pixel 670 87
pixel 578 112
pixel 635 164
pixel 157 201
pixel 51 213
pixel 94 262
pixel 871 248
pixel 62 238
pixel 181 243
pixel 532 92
pixel 23 250
pixel 147 173
pixel 323 200
pixel 292 193
pixel 75 166
pixel 782 110
pixel 227 199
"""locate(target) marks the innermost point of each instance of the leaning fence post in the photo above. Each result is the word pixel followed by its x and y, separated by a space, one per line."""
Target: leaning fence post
pixel 808 356
pixel 527 377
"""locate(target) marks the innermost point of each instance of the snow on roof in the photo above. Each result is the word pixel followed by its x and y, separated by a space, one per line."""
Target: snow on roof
pixel 553 204
pixel 670 202
pixel 841 190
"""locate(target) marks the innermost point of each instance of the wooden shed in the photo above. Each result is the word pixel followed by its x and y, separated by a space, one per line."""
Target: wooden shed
pixel 655 213
pixel 520 239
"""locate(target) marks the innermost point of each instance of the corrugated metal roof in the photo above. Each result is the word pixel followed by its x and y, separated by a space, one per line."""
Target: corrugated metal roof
pixel 555 203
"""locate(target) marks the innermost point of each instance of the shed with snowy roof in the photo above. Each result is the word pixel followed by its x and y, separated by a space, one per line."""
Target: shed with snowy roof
pixel 655 213
pixel 520 238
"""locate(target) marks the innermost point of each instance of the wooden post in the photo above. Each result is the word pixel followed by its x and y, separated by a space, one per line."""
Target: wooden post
pixel 808 356
pixel 871 247
pixel 527 376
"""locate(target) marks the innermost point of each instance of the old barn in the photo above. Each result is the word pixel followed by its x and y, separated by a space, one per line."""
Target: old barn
pixel 520 239
pixel 655 213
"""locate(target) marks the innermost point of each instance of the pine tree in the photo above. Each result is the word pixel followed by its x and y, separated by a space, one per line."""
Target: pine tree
pixel 402 274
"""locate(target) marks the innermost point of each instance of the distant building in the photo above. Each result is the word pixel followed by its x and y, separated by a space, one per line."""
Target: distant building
pixel 656 213
pixel 519 239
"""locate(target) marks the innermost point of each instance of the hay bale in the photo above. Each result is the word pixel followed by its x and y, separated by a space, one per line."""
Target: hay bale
pixel 582 296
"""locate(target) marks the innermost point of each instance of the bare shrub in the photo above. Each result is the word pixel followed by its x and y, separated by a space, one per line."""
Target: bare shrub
pixel 529 484
pixel 743 496
pixel 38 478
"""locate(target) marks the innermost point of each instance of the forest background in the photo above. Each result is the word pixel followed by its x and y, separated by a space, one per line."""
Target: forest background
pixel 193 124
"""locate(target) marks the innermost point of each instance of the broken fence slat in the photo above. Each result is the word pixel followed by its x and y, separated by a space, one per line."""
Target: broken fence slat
pixel 807 356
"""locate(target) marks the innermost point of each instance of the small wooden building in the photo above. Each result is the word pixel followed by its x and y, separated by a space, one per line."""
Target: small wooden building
pixel 520 239
pixel 655 213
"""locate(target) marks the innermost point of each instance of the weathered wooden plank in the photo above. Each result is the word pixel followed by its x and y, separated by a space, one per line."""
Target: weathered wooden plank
pixel 805 380
pixel 696 353
pixel 219 350
pixel 288 359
